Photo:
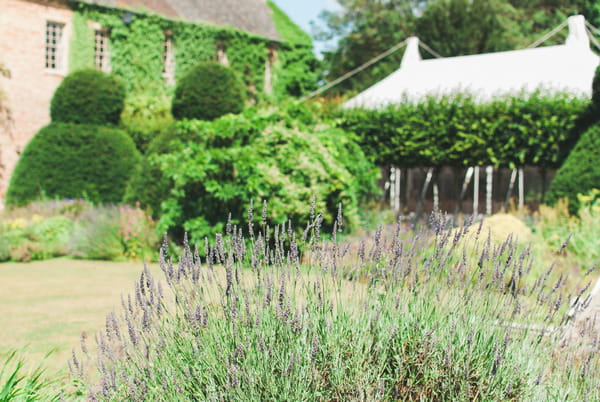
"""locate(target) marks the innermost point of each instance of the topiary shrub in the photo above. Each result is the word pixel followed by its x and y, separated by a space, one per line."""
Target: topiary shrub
pixel 208 91
pixel 88 97
pixel 74 161
pixel 580 172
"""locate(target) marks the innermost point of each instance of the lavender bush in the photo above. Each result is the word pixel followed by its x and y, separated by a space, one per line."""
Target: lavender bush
pixel 401 315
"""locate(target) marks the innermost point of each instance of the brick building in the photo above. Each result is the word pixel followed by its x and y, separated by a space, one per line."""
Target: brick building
pixel 34 72
pixel 38 37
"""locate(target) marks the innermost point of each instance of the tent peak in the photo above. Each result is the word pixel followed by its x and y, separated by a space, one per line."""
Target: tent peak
pixel 411 54
pixel 577 32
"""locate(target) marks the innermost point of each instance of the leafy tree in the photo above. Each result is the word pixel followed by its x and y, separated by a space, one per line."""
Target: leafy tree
pixel 460 27
pixel 451 27
pixel 591 10
pixel 368 28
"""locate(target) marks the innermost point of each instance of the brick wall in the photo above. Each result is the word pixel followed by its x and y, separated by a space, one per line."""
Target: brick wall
pixel 31 85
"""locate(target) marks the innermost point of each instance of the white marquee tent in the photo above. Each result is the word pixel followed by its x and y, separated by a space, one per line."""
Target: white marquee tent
pixel 568 68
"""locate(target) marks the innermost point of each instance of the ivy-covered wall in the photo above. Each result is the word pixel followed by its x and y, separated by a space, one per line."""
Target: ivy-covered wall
pixel 136 51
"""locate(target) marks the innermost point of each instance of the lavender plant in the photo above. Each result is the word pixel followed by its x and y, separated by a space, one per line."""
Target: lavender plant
pixel 414 316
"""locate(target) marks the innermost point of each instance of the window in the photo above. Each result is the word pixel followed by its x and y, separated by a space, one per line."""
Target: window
pixel 168 59
pixel 101 50
pixel 222 54
pixel 269 65
pixel 54 46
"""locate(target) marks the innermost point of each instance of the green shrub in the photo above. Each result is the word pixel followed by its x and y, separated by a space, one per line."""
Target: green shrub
pixel 88 97
pixel 4 248
pixel 147 184
pixel 138 234
pixel 596 87
pixel 580 172
pixel 145 116
pixel 208 91
pixel 204 170
pixel 33 237
pixel 150 186
pixel 74 161
pixel 96 235
pixel 555 225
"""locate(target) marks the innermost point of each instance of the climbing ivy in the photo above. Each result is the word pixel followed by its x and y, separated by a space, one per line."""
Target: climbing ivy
pixel 82 44
pixel 289 31
pixel 137 51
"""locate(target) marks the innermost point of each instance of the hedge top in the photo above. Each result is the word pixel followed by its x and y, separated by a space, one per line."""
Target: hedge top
pixel 88 97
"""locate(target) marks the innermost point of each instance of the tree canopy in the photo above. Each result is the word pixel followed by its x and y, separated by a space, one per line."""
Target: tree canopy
pixel 450 27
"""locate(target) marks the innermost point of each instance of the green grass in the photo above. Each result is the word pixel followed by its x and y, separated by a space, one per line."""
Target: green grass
pixel 47 304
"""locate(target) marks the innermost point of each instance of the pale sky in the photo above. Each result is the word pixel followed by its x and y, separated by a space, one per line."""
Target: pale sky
pixel 304 11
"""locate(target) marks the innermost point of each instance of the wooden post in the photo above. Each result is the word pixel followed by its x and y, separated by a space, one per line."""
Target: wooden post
pixel 544 176
pixel 409 185
pixel 521 189
pixel 392 185
pixel 476 191
pixel 489 182
pixel 398 191
pixel 511 186
pixel 423 192
pixel 463 190
pixel 385 182
pixel 436 194
pixel 395 175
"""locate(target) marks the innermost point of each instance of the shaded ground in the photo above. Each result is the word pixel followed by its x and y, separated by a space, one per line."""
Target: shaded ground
pixel 45 305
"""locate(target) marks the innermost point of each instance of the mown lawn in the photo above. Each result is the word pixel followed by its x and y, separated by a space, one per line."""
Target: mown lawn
pixel 45 305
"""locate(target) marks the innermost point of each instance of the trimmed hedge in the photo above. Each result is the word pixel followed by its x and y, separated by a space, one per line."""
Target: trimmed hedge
pixel 74 161
pixel 88 97
pixel 456 130
pixel 581 171
pixel 208 91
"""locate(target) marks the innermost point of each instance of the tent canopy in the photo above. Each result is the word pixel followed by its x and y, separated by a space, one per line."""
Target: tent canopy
pixel 564 68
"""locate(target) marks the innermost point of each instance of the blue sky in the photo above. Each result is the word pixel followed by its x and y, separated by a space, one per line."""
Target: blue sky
pixel 304 11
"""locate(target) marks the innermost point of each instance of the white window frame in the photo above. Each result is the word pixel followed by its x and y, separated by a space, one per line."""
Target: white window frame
pixel 168 71
pixel 55 47
pixel 102 50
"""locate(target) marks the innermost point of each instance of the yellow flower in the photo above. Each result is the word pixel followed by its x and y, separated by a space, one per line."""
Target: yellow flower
pixel 18 223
